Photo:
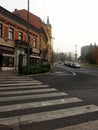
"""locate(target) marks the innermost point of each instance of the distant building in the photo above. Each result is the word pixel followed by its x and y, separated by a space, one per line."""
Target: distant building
pixel 13 39
pixel 85 50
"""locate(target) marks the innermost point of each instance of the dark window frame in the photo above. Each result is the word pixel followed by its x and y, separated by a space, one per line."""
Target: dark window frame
pixel 20 36
pixel 8 61
pixel 1 29
pixel 35 42
pixel 11 33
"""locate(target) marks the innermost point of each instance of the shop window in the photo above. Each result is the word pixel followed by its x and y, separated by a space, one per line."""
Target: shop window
pixel 11 33
pixel 1 30
pixel 8 61
pixel 20 36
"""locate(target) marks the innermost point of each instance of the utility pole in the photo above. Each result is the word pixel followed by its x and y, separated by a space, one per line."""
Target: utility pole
pixel 28 39
pixel 52 51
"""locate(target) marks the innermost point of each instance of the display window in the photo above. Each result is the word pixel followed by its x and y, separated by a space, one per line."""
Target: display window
pixel 8 61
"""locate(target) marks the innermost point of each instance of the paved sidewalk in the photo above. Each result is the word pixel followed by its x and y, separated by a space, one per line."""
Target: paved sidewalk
pixel 8 74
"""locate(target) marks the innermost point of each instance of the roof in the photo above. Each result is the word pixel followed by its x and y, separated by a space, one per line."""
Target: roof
pixel 33 19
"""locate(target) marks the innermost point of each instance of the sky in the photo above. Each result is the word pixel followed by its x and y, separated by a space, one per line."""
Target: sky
pixel 74 22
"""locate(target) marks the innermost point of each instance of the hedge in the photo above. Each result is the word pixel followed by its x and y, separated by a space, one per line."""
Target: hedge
pixel 36 69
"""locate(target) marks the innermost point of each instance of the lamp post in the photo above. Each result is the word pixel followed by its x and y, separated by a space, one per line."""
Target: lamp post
pixel 28 39
pixel 52 50
pixel 75 52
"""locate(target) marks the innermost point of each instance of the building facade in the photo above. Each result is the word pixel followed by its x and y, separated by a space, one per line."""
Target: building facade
pixel 14 31
pixel 85 50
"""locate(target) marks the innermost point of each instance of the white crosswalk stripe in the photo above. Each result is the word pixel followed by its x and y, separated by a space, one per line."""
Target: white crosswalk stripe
pixel 21 90
pixel 23 87
pixel 38 104
pixel 28 91
pixel 16 84
pixel 24 97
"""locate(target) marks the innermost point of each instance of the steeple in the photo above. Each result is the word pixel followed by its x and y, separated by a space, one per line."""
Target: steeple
pixel 48 20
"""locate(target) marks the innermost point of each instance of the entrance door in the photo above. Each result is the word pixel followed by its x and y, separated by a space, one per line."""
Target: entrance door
pixel 20 63
pixel 1 61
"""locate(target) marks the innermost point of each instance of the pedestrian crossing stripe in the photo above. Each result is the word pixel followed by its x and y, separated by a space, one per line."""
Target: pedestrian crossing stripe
pixel 39 104
pixel 62 113
pixel 50 115
pixel 41 116
pixel 29 91
pixel 23 87
pixel 24 97
pixel 17 84
pixel 16 78
pixel 18 81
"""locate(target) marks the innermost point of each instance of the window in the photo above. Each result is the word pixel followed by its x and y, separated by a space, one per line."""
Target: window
pixel 20 36
pixel 8 61
pixel 1 29
pixel 11 33
pixel 35 42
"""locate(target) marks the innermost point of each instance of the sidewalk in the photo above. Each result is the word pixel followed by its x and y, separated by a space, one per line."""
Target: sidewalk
pixel 8 74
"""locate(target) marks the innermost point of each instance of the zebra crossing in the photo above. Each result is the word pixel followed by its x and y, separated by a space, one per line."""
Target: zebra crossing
pixel 30 104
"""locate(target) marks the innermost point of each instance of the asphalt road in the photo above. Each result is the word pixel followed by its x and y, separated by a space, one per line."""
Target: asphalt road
pixel 63 99
pixel 82 83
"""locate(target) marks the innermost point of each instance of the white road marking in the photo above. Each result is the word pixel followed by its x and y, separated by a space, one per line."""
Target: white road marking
pixel 18 81
pixel 39 104
pixel 28 91
pixel 22 87
pixel 24 97
pixel 50 115
pixel 73 73
pixel 16 84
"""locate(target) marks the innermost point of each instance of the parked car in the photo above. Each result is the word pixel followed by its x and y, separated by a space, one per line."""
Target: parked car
pixel 66 63
pixel 76 65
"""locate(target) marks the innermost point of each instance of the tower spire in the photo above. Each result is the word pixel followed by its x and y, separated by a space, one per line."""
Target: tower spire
pixel 48 20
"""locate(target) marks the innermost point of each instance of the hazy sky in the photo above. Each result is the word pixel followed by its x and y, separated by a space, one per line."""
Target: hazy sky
pixel 73 21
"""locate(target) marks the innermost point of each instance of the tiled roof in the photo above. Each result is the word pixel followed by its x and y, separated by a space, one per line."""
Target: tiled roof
pixel 33 19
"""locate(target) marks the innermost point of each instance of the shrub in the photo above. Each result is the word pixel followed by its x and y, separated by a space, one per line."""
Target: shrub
pixel 36 69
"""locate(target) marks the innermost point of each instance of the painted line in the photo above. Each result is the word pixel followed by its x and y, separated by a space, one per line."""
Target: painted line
pixel 73 73
pixel 18 81
pixel 44 116
pixel 15 78
pixel 39 104
pixel 22 87
pixel 63 73
pixel 23 97
pixel 28 91
pixel 50 115
pixel 17 84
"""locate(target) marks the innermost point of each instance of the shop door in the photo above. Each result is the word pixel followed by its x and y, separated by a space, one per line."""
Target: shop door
pixel 1 61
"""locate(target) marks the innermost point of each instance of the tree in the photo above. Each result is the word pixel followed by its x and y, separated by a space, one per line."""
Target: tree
pixel 89 58
pixel 95 55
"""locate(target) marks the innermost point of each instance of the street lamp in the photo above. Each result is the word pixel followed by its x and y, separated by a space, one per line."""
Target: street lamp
pixel 75 52
pixel 28 39
pixel 52 50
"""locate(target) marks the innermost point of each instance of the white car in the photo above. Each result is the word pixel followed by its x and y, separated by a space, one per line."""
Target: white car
pixel 76 65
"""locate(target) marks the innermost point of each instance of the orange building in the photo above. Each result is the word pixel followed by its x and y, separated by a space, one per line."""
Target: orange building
pixel 14 39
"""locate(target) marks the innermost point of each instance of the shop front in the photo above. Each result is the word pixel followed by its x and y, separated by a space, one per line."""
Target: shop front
pixel 20 51
pixel 6 57
pixel 35 60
